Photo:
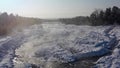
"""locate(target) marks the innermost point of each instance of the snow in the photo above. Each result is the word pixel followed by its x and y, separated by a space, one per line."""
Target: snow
pixel 43 44
pixel 7 50
pixel 113 60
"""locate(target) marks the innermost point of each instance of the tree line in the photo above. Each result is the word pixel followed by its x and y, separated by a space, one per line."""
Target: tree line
pixel 8 22
pixel 80 20
pixel 109 16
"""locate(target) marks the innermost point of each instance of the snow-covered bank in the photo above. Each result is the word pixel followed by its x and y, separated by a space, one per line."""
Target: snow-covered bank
pixel 113 60
pixel 48 45
pixel 7 50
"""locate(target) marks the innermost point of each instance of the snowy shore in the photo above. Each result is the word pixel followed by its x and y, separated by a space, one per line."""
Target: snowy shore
pixel 48 45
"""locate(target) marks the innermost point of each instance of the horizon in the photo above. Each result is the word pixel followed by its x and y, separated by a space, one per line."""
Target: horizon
pixel 51 9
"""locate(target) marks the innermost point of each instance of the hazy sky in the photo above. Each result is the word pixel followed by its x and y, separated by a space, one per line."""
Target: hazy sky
pixel 54 8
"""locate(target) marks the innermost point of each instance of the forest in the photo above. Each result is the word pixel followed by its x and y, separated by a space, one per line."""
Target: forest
pixel 8 22
pixel 109 16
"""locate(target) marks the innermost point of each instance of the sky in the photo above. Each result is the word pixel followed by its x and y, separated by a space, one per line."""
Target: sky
pixel 55 8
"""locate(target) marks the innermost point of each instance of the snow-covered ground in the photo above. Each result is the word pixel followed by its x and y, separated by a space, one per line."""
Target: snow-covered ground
pixel 46 44
pixel 113 60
